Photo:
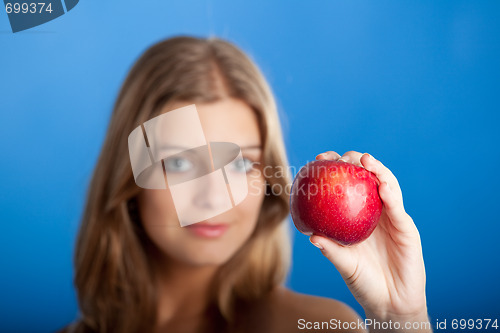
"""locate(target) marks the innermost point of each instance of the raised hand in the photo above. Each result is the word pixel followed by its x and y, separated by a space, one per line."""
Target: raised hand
pixel 386 272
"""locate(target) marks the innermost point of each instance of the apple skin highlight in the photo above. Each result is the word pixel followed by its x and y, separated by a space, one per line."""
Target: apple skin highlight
pixel 337 200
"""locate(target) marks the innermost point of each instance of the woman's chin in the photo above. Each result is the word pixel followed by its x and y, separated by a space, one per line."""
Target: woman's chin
pixel 202 260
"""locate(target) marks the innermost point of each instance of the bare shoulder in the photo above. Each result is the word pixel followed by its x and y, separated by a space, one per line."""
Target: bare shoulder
pixel 301 312
pixel 314 305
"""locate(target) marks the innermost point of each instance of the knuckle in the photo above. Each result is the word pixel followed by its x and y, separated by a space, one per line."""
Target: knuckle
pixel 328 155
pixel 352 153
pixel 353 156
pixel 333 154
pixel 410 219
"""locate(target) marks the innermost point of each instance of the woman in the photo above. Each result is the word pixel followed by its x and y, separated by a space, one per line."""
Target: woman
pixel 137 270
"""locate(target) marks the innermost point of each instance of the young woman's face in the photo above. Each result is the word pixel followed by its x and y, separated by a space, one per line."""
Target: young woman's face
pixel 216 239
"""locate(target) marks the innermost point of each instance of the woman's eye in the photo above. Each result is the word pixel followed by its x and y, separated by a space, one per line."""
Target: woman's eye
pixel 242 165
pixel 178 164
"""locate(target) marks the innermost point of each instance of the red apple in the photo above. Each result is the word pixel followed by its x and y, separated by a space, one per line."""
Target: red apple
pixel 335 199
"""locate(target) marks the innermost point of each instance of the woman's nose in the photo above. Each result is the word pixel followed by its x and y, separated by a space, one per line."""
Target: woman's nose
pixel 212 195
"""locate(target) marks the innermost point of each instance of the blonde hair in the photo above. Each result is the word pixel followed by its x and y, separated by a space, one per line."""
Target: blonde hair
pixel 113 277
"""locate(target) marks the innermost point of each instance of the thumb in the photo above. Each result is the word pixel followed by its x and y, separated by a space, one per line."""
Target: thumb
pixel 342 257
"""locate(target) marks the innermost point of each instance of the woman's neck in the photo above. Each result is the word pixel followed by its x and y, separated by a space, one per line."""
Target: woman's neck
pixel 184 290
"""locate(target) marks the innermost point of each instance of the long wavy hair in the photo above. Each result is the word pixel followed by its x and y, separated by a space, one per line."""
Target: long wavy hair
pixel 114 278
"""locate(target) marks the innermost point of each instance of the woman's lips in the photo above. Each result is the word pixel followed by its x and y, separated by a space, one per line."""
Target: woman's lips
pixel 207 230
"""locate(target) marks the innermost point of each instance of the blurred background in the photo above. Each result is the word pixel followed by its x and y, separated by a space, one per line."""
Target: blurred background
pixel 416 84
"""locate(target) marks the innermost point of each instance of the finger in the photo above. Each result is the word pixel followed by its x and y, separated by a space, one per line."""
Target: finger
pixel 381 171
pixel 341 256
pixel 352 157
pixel 329 155
pixel 395 210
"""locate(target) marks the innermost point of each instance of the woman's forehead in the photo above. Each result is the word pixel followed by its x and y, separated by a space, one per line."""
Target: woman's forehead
pixel 228 120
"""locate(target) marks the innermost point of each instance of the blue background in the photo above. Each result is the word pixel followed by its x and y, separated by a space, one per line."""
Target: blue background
pixel 414 83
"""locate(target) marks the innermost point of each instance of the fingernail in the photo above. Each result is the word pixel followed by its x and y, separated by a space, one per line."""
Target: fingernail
pixel 320 155
pixel 370 157
pixel 345 159
pixel 316 244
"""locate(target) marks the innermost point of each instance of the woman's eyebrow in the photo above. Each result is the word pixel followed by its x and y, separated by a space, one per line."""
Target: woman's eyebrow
pixel 248 147
pixel 251 147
